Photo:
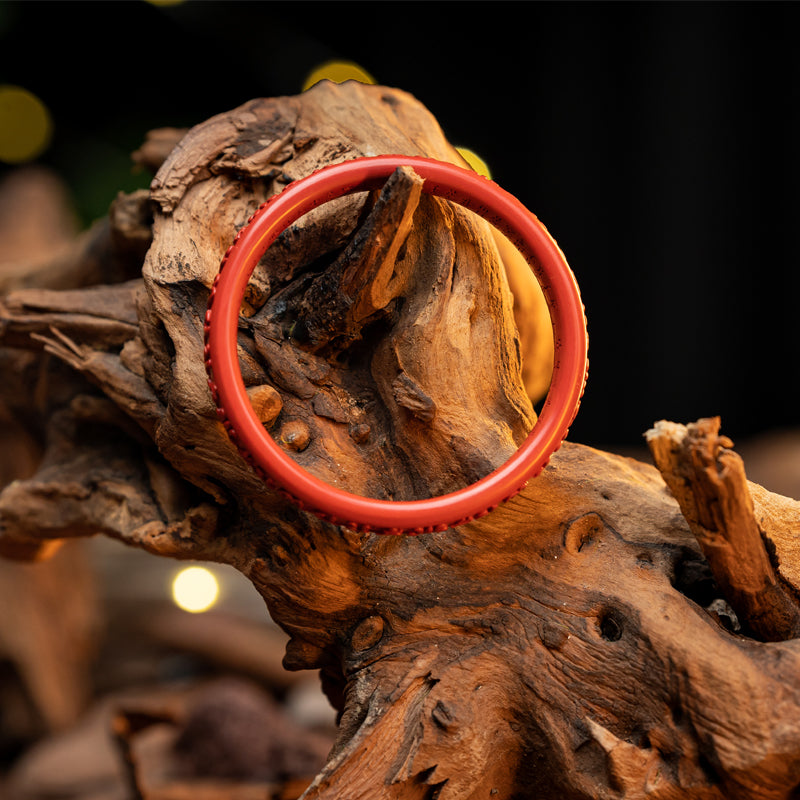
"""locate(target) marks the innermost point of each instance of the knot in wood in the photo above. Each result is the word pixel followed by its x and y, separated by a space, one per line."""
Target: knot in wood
pixel 295 435
pixel 583 531
pixel 553 635
pixel 301 654
pixel 256 293
pixel 443 717
pixel 367 634
pixel 280 558
pixel 410 395
pixel 266 403
pixel 359 432
pixel 610 625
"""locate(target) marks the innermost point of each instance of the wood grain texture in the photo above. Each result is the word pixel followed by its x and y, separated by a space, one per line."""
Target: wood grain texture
pixel 570 645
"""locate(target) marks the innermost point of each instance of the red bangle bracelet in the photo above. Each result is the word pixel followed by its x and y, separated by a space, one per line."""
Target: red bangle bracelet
pixel 276 467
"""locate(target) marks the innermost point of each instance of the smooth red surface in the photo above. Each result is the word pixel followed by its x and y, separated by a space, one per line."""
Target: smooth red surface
pixel 498 207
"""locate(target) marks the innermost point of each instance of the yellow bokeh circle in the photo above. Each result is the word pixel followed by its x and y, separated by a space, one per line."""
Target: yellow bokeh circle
pixel 475 161
pixel 25 125
pixel 337 72
pixel 195 589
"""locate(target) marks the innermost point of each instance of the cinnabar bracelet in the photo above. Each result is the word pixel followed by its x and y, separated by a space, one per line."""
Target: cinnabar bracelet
pixel 276 467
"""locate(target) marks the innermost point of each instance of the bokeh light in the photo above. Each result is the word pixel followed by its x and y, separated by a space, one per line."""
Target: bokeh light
pixel 26 127
pixel 337 72
pixel 475 161
pixel 195 589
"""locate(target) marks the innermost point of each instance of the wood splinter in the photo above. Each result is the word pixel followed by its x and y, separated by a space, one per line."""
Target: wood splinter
pixel 708 480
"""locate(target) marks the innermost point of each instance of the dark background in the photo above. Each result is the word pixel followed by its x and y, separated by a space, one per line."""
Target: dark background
pixel 657 141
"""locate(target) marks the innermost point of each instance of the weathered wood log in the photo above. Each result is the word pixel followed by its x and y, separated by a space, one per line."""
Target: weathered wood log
pixel 568 645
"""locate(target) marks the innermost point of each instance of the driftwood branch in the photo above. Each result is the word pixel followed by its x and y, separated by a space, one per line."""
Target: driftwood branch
pixel 568 645
pixel 708 480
